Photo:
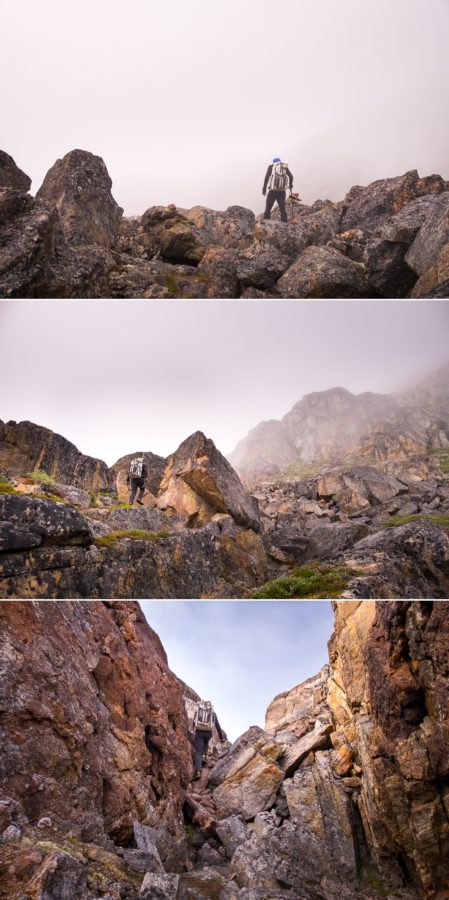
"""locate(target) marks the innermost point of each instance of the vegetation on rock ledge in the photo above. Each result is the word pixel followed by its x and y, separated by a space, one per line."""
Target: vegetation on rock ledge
pixel 315 583
pixel 136 534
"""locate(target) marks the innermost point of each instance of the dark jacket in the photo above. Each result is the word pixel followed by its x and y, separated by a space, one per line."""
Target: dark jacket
pixel 268 176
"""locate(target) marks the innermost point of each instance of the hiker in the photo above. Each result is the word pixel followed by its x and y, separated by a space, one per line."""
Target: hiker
pixel 203 723
pixel 276 180
pixel 137 475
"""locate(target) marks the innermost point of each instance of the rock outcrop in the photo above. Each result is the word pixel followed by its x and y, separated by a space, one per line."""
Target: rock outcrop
pixel 342 794
pixel 388 239
pixel 25 447
pixel 199 483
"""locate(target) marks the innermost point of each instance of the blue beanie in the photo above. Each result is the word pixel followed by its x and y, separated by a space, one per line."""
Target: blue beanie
pixel 276 159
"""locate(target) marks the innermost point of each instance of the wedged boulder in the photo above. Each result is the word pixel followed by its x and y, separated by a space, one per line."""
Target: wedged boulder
pixel 10 174
pixel 176 236
pixel 217 274
pixel 25 446
pixel 232 833
pixel 29 522
pixel 246 781
pixel 317 739
pixel 199 482
pixel 431 237
pixel 325 273
pixel 155 465
pixel 80 187
pixel 369 207
pixel 297 710
pixel 358 488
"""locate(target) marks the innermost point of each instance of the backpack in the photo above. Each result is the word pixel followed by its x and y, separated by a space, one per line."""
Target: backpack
pixel 136 467
pixel 204 717
pixel 278 178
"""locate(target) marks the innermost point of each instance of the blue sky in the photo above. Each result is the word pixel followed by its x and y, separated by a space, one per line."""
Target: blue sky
pixel 240 654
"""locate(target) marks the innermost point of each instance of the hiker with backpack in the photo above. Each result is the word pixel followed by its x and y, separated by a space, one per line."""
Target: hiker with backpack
pixel 277 179
pixel 204 721
pixel 137 475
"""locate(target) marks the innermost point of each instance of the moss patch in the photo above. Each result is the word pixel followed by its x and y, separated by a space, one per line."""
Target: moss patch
pixel 42 477
pixel 7 488
pixel 171 283
pixel 135 534
pixel 54 497
pixel 315 582
pixel 435 518
pixel 119 506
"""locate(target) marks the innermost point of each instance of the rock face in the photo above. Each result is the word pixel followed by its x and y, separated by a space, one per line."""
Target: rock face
pixel 10 174
pixel 199 483
pixel 25 446
pixel 379 242
pixel 342 794
pixel 91 730
pixel 80 188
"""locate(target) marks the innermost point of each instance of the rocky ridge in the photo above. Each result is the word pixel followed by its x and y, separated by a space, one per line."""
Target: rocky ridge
pixel 388 239
pixel 343 793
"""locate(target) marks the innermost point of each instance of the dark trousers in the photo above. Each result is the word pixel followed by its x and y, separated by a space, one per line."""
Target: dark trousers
pixel 202 739
pixel 272 196
pixel 136 484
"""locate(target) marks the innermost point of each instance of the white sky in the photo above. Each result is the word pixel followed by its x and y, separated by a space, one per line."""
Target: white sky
pixel 189 102
pixel 241 655
pixel 116 377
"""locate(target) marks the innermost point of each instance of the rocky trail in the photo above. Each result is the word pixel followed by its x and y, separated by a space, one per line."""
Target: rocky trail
pixel 342 794
pixel 389 239
pixel 357 508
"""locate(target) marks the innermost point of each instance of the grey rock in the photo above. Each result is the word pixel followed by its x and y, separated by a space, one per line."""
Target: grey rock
pixel 161 887
pixel 145 838
pixel 431 238
pixel 323 272
pixel 11 835
pixel 80 187
pixel 232 833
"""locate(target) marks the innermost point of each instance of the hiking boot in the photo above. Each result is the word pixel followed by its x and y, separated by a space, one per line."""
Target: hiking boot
pixel 140 502
pixel 197 775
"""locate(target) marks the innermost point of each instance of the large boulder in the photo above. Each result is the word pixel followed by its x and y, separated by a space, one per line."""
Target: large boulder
pixel 25 446
pixel 435 281
pixel 27 522
pixel 358 488
pixel 431 238
pixel 370 207
pixel 246 781
pixel 199 483
pixel 217 274
pixel 10 174
pixel 386 269
pixel 323 272
pixel 30 240
pixel 173 234
pixel 80 187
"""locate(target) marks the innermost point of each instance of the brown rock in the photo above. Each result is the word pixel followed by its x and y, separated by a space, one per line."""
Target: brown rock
pixel 199 482
pixel 80 188
pixel 10 174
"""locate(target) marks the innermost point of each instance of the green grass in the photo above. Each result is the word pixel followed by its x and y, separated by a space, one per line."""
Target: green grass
pixel 42 477
pixel 54 497
pixel 442 457
pixel 119 506
pixel 93 500
pixel 435 518
pixel 135 534
pixel 7 488
pixel 171 283
pixel 315 582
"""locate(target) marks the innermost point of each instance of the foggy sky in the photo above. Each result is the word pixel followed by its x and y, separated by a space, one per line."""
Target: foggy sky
pixel 189 102
pixel 241 655
pixel 120 377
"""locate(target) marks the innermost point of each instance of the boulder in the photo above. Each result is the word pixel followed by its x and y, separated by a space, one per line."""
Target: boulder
pixel 30 240
pixel 61 877
pixel 217 274
pixel 431 237
pixel 79 187
pixel 370 207
pixel 145 839
pixel 323 272
pixel 232 833
pixel 261 266
pixel 435 281
pixel 28 522
pixel 10 174
pixel 246 781
pixel 161 887
pixel 176 236
pixel 386 269
pixel 199 482
pixel 358 488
